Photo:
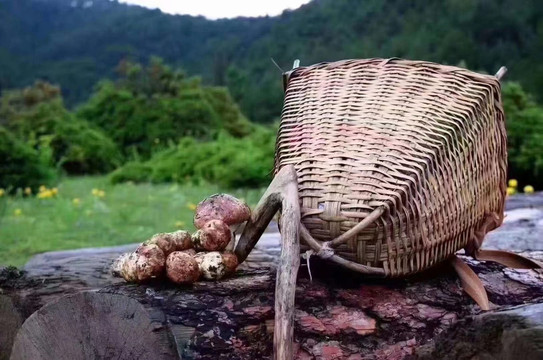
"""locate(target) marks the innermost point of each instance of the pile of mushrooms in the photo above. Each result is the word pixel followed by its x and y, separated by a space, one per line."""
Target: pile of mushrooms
pixel 184 258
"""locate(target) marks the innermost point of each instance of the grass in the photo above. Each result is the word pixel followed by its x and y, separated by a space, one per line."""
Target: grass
pixel 77 218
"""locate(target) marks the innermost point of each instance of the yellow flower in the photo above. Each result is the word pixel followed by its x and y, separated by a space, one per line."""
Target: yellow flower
pixel 18 212
pixel 42 188
pixel 2 192
pixel 76 201
pixel 511 191
pixel 179 224
pixel 191 206
pixel 98 193
pixel 46 194
pixel 528 189
pixel 28 191
pixel 513 183
pixel 54 191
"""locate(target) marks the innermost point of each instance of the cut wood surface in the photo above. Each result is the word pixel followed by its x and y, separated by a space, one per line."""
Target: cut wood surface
pixel 93 326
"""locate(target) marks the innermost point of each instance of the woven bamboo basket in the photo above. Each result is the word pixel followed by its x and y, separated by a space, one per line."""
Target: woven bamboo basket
pixel 400 163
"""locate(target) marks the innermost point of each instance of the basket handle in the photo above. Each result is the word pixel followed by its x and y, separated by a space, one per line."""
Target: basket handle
pixel 342 239
pixel 318 248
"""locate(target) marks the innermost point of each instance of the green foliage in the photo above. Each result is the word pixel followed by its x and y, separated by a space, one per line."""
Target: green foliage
pixel 37 116
pixel 150 106
pixel 525 135
pixel 229 162
pixel 20 165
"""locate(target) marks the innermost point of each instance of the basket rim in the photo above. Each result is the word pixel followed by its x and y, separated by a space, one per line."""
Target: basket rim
pixel 445 69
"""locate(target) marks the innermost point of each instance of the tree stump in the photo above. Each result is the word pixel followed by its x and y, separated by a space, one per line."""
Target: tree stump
pixel 339 315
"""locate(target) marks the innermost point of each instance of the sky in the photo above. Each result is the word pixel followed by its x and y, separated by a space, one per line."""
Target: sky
pixel 215 9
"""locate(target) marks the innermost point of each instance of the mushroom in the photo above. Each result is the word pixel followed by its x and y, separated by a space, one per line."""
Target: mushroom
pixel 211 265
pixel 223 207
pixel 170 242
pixel 230 261
pixel 182 268
pixel 164 241
pixel 214 235
pixel 182 240
pixel 146 263
pixel 190 251
pixel 117 265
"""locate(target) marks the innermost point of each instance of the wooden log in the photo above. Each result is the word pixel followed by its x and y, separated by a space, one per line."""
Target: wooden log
pixel 339 315
pixel 407 313
pixel 11 321
pixel 89 325
pixel 20 296
pixel 50 276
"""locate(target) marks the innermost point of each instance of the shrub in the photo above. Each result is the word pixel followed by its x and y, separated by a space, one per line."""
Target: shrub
pixel 132 171
pixel 229 162
pixel 20 165
pixel 37 116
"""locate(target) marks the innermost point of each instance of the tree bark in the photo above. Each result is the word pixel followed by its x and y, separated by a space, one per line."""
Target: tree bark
pixel 339 315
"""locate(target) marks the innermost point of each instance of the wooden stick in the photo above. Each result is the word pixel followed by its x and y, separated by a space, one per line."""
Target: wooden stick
pixel 342 239
pixel 501 72
pixel 316 246
pixel 281 194
pixel 264 212
pixel 285 286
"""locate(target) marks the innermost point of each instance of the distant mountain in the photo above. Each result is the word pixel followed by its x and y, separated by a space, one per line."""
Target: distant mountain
pixel 77 42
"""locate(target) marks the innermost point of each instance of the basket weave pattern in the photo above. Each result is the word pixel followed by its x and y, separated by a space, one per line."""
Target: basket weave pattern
pixel 422 142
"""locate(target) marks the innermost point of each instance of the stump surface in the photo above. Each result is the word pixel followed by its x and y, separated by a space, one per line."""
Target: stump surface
pixel 93 326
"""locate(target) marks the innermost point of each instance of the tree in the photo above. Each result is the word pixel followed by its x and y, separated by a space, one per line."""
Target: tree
pixel 153 105
pixel 525 134
pixel 36 116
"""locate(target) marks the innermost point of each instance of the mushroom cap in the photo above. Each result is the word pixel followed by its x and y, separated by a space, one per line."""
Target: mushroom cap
pixel 150 262
pixel 199 257
pixel 128 267
pixel 146 263
pixel 170 242
pixel 221 207
pixel 164 241
pixel 182 240
pixel 213 236
pixel 182 268
pixel 212 265
pixel 230 262
pixel 117 266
